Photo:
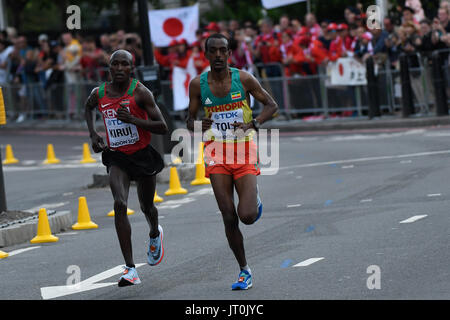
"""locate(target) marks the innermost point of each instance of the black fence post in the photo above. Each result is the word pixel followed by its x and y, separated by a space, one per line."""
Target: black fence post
pixel 407 95
pixel 439 82
pixel 372 87
pixel 150 77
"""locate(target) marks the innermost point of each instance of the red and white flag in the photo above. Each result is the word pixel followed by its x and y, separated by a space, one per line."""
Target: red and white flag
pixel 181 78
pixel 173 24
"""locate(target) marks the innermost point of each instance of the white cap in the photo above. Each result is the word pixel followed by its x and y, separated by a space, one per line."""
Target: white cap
pixel 43 37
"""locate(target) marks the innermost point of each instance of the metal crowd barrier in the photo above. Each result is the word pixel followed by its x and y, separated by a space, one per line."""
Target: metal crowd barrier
pixel 297 96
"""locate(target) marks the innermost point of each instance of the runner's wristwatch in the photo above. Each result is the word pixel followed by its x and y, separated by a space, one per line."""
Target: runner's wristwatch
pixel 256 124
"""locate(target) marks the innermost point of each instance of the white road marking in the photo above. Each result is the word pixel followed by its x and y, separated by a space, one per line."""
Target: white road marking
pixel 353 137
pixel 53 167
pixel 414 218
pixel 29 162
pixel 85 285
pixel 202 191
pixel 65 194
pixel 308 262
pixel 366 200
pixel 18 251
pixel 294 205
pixel 47 206
pixel 437 134
pixel 434 195
pixel 173 204
pixel 405 161
pixel 66 234
pixel 348 167
pixel 298 177
pixel 318 164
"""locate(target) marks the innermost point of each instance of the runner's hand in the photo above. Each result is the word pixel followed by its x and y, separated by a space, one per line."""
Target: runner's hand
pixel 207 122
pixel 242 126
pixel 98 145
pixel 124 115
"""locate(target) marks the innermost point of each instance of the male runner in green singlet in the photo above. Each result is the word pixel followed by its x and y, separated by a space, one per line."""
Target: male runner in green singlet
pixel 224 94
pixel 130 115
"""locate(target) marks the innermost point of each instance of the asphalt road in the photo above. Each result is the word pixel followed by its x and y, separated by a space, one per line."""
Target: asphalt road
pixel 347 216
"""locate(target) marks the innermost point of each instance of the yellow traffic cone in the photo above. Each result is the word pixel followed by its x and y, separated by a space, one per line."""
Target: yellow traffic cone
pixel 9 156
pixel 157 198
pixel 87 158
pixel 3 254
pixel 174 184
pixel 84 219
pixel 112 213
pixel 2 109
pixel 51 159
pixel 200 169
pixel 43 229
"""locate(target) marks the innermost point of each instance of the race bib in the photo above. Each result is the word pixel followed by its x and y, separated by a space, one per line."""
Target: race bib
pixel 121 133
pixel 222 128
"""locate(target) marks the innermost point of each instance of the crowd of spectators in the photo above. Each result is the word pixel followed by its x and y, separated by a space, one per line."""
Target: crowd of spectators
pixel 299 46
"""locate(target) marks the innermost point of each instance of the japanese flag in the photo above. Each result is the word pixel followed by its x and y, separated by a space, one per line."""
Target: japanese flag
pixel 173 24
pixel 180 84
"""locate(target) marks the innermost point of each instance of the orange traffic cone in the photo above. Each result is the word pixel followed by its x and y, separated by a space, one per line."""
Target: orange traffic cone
pixel 3 254
pixel 112 213
pixel 51 159
pixel 43 229
pixel 9 156
pixel 87 158
pixel 174 184
pixel 157 198
pixel 200 169
pixel 84 218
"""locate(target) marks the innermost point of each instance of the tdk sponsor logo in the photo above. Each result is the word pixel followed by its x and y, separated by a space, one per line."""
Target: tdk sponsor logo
pixel 227 115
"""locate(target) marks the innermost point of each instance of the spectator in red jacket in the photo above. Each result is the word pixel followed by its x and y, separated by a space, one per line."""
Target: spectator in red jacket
pixel 265 41
pixel 304 57
pixel 312 26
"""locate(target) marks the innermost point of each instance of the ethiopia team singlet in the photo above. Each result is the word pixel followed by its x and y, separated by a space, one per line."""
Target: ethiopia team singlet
pixel 227 110
pixel 121 136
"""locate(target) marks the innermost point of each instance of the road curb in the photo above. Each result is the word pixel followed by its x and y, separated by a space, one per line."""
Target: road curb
pixel 360 124
pixel 23 232
pixel 186 173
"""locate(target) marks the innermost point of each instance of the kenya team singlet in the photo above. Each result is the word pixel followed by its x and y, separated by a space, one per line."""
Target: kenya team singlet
pixel 121 136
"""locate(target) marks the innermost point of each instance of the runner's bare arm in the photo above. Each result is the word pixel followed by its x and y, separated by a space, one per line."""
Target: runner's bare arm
pixel 252 86
pixel 194 104
pixel 145 100
pixel 98 145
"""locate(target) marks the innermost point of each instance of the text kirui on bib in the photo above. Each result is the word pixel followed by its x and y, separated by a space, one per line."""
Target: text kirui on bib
pixel 120 133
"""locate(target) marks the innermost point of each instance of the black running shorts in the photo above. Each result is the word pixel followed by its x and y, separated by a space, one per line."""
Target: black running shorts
pixel 144 162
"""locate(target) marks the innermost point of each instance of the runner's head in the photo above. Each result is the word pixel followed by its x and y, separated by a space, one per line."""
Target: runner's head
pixel 217 51
pixel 121 65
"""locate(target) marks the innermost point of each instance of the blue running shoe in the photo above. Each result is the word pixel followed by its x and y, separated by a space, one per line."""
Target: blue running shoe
pixel 259 204
pixel 129 277
pixel 155 251
pixel 244 281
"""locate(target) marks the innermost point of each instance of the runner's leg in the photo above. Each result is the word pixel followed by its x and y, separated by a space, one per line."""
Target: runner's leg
pixel 223 190
pixel 146 191
pixel 246 190
pixel 120 185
